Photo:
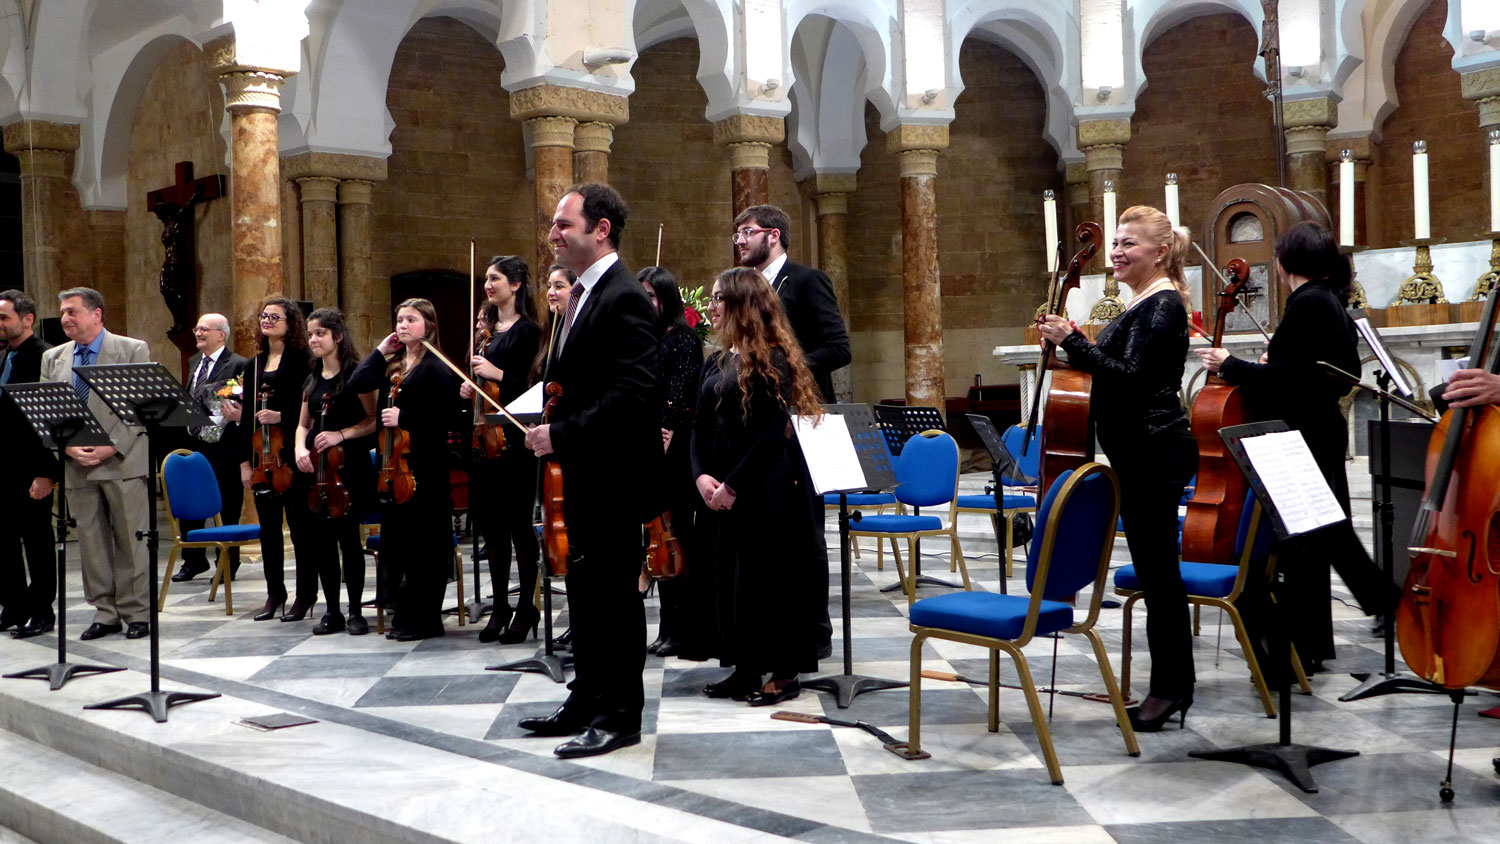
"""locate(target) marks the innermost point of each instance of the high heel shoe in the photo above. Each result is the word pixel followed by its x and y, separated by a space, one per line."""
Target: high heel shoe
pixel 523 618
pixel 269 611
pixel 499 621
pixel 299 610
pixel 1153 725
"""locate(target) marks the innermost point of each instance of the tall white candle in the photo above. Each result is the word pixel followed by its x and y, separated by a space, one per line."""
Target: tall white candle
pixel 1109 216
pixel 1173 214
pixel 1495 180
pixel 1346 198
pixel 1049 219
pixel 1422 221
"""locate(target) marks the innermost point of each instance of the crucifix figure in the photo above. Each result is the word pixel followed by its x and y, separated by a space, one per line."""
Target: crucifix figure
pixel 173 205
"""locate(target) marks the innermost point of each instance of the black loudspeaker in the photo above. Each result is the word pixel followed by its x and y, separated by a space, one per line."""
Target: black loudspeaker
pixel 1408 461
pixel 52 331
pixel 306 308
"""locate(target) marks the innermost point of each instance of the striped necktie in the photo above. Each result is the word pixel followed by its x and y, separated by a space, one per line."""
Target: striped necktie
pixel 81 358
pixel 574 295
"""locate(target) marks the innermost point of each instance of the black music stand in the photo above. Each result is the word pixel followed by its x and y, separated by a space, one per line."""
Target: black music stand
pixel 548 661
pixel 148 396
pixel 875 462
pixel 61 420
pixel 502 420
pixel 1292 760
pixel 900 424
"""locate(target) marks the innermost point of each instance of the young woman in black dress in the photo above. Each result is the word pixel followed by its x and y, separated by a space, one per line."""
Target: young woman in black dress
pixel 502 491
pixel 750 473
pixel 1136 363
pixel 416 537
pixel 281 369
pixel 334 414
pixel 685 626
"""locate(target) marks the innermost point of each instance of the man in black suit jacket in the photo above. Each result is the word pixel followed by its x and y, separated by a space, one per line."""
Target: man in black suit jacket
pixel 606 438
pixel 26 490
pixel 762 234
pixel 207 371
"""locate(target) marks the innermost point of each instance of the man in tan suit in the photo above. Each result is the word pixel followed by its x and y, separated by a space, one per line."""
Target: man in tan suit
pixel 106 485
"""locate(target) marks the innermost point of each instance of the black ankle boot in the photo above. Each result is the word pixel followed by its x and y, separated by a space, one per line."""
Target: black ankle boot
pixel 526 616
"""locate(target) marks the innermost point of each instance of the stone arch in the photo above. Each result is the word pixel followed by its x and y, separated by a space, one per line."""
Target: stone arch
pixel 1151 18
pixel 871 23
pixel 12 57
pixel 655 22
pixel 1386 36
pixel 839 58
pixel 104 150
pixel 1044 37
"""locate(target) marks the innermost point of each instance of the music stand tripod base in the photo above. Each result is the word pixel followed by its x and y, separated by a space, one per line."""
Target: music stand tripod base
pixel 1375 685
pixel 846 687
pixel 59 673
pixel 547 662
pixel 1292 760
pixel 156 702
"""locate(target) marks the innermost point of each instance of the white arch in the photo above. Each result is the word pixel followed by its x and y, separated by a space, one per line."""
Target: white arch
pixel 826 128
pixel 1386 36
pixel 873 24
pixel 709 22
pixel 1146 20
pixel 1045 38
pixel 12 59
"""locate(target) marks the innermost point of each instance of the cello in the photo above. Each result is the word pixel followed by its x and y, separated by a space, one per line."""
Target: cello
pixel 1213 513
pixel 1067 440
pixel 328 497
pixel 395 481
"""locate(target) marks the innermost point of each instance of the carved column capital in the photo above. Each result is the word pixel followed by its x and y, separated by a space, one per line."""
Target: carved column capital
pixel 909 137
pixel 593 136
pixel 749 128
pixel 578 103
pixel 318 188
pixel 334 165
pixel 834 183
pixel 356 192
pixel 830 204
pixel 41 134
pixel 252 89
pixel 551 131
pixel 1114 131
pixel 749 155
pixel 918 162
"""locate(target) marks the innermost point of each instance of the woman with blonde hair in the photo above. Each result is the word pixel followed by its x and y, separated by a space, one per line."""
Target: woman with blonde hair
pixel 750 473
pixel 1137 363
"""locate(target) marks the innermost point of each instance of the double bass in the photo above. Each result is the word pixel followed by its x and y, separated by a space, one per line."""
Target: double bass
pixel 395 481
pixel 1213 513
pixel 1067 441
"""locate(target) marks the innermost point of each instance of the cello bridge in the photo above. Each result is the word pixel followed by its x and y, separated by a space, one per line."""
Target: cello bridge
pixel 1436 552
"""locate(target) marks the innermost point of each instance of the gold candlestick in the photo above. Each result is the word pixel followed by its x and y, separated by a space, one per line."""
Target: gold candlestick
pixel 1422 286
pixel 1110 306
pixel 1359 299
pixel 1487 282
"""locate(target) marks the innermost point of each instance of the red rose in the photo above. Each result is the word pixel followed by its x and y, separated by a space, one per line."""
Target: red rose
pixel 692 316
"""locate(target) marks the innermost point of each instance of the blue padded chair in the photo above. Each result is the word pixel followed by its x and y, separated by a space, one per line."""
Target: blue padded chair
pixel 191 492
pixel 876 501
pixel 1215 585
pixel 1030 463
pixel 926 476
pixel 997 503
pixel 1071 554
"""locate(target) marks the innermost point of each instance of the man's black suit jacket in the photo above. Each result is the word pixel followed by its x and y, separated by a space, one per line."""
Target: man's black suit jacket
pixel 26 360
pixel 807 295
pixel 605 430
pixel 34 460
pixel 224 454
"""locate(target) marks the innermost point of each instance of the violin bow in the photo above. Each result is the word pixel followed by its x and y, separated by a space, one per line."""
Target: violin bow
pixel 473 301
pixel 660 228
pixel 475 387
pixel 1224 283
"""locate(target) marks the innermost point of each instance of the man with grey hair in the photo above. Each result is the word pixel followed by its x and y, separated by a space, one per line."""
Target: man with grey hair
pixel 106 484
pixel 207 371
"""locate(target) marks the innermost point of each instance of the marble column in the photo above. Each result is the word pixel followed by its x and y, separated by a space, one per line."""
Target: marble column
pixel 357 294
pixel 1076 199
pixel 552 163
pixel 749 138
pixel 320 240
pixel 1362 151
pixel 831 195
pixel 1306 124
pixel 1103 144
pixel 253 99
pixel 291 236
pixel 591 142
pixel 917 146
pixel 43 148
pixel 107 249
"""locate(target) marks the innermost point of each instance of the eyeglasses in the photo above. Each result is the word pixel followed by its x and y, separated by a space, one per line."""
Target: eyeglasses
pixel 201 330
pixel 717 298
pixel 746 233
pixel 271 318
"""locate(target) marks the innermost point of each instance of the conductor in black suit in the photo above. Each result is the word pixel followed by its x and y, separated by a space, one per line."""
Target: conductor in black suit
pixel 604 435
pixel 762 234
pixel 213 365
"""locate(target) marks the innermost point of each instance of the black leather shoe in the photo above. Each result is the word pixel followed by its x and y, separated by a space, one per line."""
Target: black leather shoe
pixel 358 626
pixel 9 620
pixel 188 571
pixel 595 742
pixel 332 622
pixel 34 627
pixel 790 690
pixel 137 630
pixel 414 635
pixel 738 686
pixel 99 631
pixel 559 723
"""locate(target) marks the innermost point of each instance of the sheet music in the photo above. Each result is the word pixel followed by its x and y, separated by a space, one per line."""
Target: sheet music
pixel 1292 478
pixel 1372 339
pixel 829 451
pixel 528 402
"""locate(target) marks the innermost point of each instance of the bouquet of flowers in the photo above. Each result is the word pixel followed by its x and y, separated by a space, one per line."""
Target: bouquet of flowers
pixel 231 390
pixel 695 308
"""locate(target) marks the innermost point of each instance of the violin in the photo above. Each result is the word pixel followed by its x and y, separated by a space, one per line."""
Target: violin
pixel 1067 441
pixel 489 440
pixel 554 527
pixel 328 497
pixel 269 470
pixel 395 481
pixel 1448 621
pixel 664 556
pixel 1213 513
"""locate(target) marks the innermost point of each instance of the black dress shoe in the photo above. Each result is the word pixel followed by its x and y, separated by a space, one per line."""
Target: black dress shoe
pixel 595 742
pixel 188 571
pixel 738 686
pixel 358 626
pixel 99 631
pixel 559 723
pixel 34 627
pixel 332 622
pixel 9 620
pixel 790 690
pixel 414 635
pixel 137 630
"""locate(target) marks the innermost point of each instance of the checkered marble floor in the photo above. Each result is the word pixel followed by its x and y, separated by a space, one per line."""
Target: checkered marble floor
pixel 731 763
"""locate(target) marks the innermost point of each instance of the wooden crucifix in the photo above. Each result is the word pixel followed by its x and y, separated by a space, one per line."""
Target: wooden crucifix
pixel 173 205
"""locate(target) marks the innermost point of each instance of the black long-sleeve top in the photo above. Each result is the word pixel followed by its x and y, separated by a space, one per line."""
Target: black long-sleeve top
pixel 512 352
pixel 1136 363
pixel 285 384
pixel 746 450
pixel 680 357
pixel 428 401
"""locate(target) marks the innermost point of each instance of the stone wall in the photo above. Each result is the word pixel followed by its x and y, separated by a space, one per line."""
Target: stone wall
pixel 177 119
pixel 1431 109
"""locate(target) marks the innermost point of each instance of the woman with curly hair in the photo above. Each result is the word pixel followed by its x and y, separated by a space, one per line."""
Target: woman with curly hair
pixel 750 472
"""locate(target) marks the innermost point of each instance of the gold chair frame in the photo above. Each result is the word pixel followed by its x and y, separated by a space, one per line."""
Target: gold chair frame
pixel 221 571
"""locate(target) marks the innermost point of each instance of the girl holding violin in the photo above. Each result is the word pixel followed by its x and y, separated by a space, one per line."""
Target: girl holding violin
pixel 750 473
pixel 1136 363
pixel 332 447
pixel 281 368
pixel 503 485
pixel 683 629
pixel 418 397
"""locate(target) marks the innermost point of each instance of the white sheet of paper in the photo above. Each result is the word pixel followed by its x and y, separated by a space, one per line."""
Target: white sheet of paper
pixel 527 402
pixel 1372 339
pixel 830 455
pixel 1291 476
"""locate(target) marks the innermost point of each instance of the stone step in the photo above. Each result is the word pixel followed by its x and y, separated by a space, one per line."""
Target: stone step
pixel 52 797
